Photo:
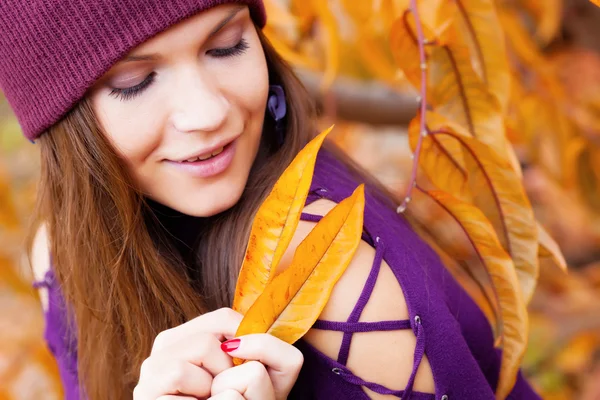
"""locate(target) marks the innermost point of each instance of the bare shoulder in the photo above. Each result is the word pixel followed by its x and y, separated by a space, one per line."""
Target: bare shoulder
pixel 40 260
pixel 383 357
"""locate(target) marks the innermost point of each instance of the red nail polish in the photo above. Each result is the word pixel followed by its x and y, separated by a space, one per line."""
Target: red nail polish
pixel 230 345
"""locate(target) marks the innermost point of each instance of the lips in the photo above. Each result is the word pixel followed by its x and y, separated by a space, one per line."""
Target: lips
pixel 212 166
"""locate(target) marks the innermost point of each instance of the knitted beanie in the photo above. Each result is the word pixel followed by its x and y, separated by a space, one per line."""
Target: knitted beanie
pixel 53 51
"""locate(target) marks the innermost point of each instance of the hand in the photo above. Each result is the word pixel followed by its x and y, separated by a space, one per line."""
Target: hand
pixel 270 376
pixel 185 359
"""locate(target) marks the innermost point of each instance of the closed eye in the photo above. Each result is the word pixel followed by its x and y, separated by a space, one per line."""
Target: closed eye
pixel 131 92
pixel 238 49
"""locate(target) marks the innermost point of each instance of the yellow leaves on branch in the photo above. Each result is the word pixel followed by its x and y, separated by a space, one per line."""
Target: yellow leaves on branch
pixel 494 188
pixel 286 303
pixel 496 216
pixel 453 86
pixel 513 324
pixel 461 148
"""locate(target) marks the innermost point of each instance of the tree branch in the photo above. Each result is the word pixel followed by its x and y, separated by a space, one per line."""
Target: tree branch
pixel 369 102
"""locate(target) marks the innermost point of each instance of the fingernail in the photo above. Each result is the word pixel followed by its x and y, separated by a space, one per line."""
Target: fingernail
pixel 230 345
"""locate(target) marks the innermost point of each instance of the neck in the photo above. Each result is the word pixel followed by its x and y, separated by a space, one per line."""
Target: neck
pixel 180 229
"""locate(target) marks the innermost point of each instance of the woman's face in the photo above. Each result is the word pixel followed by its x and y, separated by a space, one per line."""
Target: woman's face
pixel 185 110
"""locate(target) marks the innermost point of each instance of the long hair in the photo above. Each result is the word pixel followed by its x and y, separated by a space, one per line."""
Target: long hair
pixel 119 268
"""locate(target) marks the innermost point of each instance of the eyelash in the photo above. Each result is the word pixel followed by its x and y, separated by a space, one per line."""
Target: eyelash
pixel 131 92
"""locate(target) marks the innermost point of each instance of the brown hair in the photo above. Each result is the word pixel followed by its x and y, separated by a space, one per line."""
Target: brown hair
pixel 120 272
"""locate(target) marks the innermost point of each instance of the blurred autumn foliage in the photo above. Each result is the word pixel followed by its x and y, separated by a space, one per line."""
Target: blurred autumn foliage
pixel 508 134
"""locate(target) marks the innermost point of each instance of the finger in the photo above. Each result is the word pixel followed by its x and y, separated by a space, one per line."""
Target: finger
pixel 222 323
pixel 283 360
pixel 228 394
pixel 172 397
pixel 250 379
pixel 172 377
pixel 201 349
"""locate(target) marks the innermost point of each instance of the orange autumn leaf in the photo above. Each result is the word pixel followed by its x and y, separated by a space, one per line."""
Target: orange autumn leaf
pixel 549 250
pixel 459 94
pixel 8 210
pixel 513 318
pixel 452 245
pixel 294 299
pixel 288 53
pixel 596 2
pixel 331 40
pixel 485 36
pixel 547 15
pixel 442 162
pixel 274 225
pixel 403 43
pixel 496 190
pixel 373 53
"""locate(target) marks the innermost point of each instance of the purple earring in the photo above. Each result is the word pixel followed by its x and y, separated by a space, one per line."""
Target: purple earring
pixel 277 109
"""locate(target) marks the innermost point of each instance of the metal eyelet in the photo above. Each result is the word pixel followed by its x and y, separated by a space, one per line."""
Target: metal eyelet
pixel 377 239
pixel 336 370
pixel 418 322
pixel 444 397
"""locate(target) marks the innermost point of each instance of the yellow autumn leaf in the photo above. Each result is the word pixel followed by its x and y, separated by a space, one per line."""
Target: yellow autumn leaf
pixel 294 299
pixel 513 318
pixel 274 225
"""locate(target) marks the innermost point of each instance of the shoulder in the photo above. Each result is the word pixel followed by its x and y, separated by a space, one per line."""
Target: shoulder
pixel 378 356
pixel 40 260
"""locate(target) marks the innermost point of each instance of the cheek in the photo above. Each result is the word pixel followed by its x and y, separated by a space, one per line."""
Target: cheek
pixel 246 80
pixel 133 134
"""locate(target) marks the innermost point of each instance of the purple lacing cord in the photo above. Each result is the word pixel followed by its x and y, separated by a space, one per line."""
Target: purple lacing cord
pixel 408 392
pixel 380 389
pixel 316 218
pixel 419 352
pixel 362 302
pixel 354 327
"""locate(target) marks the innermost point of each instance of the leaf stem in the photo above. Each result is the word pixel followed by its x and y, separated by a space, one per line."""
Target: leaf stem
pixel 423 105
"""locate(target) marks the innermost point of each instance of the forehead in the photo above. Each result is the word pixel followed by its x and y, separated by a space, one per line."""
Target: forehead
pixel 198 27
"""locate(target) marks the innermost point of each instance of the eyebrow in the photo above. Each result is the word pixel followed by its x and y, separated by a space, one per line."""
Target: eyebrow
pixel 216 29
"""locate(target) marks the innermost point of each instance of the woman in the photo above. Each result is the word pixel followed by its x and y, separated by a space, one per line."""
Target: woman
pixel 162 126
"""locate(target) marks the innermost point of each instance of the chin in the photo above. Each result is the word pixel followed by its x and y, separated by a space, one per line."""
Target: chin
pixel 205 204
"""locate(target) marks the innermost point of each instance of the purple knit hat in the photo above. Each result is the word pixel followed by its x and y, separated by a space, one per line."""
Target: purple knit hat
pixel 52 51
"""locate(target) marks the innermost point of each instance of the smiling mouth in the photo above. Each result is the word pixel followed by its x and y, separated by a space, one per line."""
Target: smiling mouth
pixel 207 156
pixel 204 156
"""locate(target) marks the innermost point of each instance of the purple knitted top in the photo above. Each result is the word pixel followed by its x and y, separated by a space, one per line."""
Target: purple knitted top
pixel 449 327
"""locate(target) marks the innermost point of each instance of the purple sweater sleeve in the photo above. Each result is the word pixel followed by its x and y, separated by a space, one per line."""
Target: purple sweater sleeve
pixel 60 337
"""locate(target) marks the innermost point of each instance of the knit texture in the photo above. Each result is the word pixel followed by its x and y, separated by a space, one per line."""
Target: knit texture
pixel 53 51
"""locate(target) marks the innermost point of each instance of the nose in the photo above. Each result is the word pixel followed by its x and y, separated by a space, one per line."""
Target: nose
pixel 198 103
